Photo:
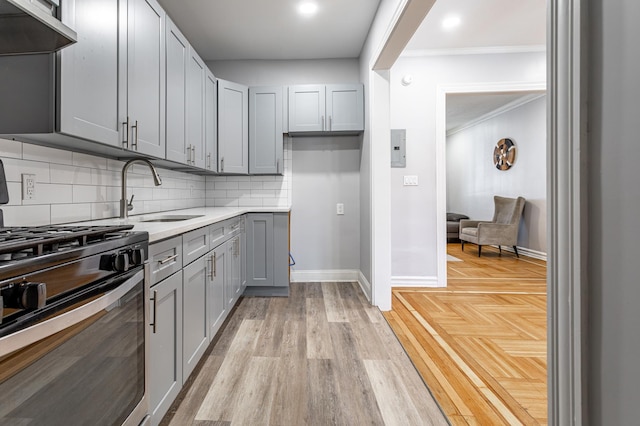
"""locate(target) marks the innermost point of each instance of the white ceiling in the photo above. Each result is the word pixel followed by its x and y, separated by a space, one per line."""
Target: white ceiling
pixel 272 29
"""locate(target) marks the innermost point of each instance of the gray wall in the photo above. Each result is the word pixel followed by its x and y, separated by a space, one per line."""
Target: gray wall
pixel 325 170
pixel 614 202
pixel 473 180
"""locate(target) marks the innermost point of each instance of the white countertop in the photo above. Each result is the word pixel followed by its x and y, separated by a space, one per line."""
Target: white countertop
pixel 162 230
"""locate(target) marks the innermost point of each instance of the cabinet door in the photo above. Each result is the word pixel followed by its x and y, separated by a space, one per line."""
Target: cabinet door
pixel 165 345
pixel 307 108
pixel 146 77
pixel 281 249
pixel 195 337
pixel 177 60
pixel 345 107
pixel 259 249
pixel 210 120
pixel 233 128
pixel 195 108
pixel 216 306
pixel 90 71
pixel 265 130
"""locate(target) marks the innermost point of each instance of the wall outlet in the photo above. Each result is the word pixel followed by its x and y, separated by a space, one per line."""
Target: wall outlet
pixel 28 186
pixel 339 208
pixel 411 180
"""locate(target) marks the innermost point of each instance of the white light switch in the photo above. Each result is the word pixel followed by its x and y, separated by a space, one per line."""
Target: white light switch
pixel 339 208
pixel 411 180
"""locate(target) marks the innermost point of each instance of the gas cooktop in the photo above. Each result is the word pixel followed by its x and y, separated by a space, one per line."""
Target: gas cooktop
pixel 22 242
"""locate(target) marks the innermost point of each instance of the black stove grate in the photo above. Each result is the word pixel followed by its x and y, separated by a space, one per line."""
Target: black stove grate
pixel 16 242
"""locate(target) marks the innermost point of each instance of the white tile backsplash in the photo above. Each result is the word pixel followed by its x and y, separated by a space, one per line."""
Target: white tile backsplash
pixel 72 187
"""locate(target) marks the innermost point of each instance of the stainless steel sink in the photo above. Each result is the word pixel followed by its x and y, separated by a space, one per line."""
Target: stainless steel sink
pixel 172 218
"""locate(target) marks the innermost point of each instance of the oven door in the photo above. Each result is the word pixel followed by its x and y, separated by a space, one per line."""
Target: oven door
pixel 83 366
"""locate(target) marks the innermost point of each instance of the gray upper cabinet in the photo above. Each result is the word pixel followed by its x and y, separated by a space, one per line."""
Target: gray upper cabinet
pixel 265 130
pixel 210 122
pixel 176 63
pixel 345 107
pixel 233 128
pixel 196 72
pixel 146 77
pixel 90 71
pixel 337 108
pixel 306 108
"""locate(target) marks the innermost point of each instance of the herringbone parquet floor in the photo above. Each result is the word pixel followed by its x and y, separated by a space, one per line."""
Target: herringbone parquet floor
pixel 480 343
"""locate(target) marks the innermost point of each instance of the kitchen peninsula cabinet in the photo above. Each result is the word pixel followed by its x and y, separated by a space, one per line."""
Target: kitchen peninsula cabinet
pixel 267 262
pixel 233 128
pixel 332 108
pixel 266 149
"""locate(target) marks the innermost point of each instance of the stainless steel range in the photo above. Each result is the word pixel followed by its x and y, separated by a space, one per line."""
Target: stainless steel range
pixel 72 328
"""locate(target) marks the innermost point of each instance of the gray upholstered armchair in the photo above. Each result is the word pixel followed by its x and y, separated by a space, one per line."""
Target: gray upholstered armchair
pixel 501 231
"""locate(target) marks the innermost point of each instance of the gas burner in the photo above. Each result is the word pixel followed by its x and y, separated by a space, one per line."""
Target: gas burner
pixel 20 243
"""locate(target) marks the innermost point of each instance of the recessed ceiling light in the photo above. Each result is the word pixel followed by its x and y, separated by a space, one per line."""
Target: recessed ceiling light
pixel 307 8
pixel 450 22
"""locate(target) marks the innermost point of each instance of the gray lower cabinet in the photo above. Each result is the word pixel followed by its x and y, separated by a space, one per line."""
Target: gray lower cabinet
pixel 195 336
pixel 165 344
pixel 216 301
pixel 267 259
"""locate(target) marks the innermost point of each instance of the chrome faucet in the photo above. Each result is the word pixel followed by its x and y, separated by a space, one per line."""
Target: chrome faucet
pixel 127 206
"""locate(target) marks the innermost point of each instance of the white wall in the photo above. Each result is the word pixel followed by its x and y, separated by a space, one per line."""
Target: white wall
pixel 613 204
pixel 321 172
pixel 473 180
pixel 413 213
pixel 72 187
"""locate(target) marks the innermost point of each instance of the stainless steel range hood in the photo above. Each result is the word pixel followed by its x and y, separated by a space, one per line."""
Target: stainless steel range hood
pixel 27 26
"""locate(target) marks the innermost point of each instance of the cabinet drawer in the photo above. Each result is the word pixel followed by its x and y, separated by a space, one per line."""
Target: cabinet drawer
pixel 165 258
pixel 234 226
pixel 195 244
pixel 217 234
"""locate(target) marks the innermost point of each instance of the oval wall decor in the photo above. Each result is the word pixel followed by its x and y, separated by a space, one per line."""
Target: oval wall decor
pixel 504 154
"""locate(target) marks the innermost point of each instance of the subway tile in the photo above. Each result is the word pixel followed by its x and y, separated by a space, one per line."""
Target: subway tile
pixel 250 202
pixel 250 185
pixel 65 174
pixel 238 194
pixel 141 194
pixel 276 185
pixel 27 215
pixel 226 185
pixel 47 193
pixel 95 194
pixel 46 154
pixel 91 161
pixel 10 149
pixel 66 213
pixel 225 202
pixel 15 168
pixel 105 210
pixel 105 177
pixel 262 194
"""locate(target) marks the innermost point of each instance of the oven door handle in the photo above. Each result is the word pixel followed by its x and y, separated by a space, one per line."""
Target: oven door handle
pixel 27 336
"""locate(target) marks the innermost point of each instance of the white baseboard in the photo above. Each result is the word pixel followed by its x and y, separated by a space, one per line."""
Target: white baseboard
pixel 527 252
pixel 399 281
pixel 365 285
pixel 335 275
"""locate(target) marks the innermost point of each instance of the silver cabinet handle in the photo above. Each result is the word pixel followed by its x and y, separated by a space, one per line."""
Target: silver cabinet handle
pixel 125 133
pixel 168 259
pixel 222 164
pixel 209 161
pixel 193 154
pixel 211 262
pixel 134 144
pixel 155 309
pixel 329 123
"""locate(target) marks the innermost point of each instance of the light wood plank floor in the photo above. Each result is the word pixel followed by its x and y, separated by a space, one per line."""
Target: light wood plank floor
pixel 322 356
pixel 480 344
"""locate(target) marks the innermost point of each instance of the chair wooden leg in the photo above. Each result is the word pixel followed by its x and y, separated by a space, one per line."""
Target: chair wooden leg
pixel 500 248
pixel 516 250
pixel 462 244
pixel 479 250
